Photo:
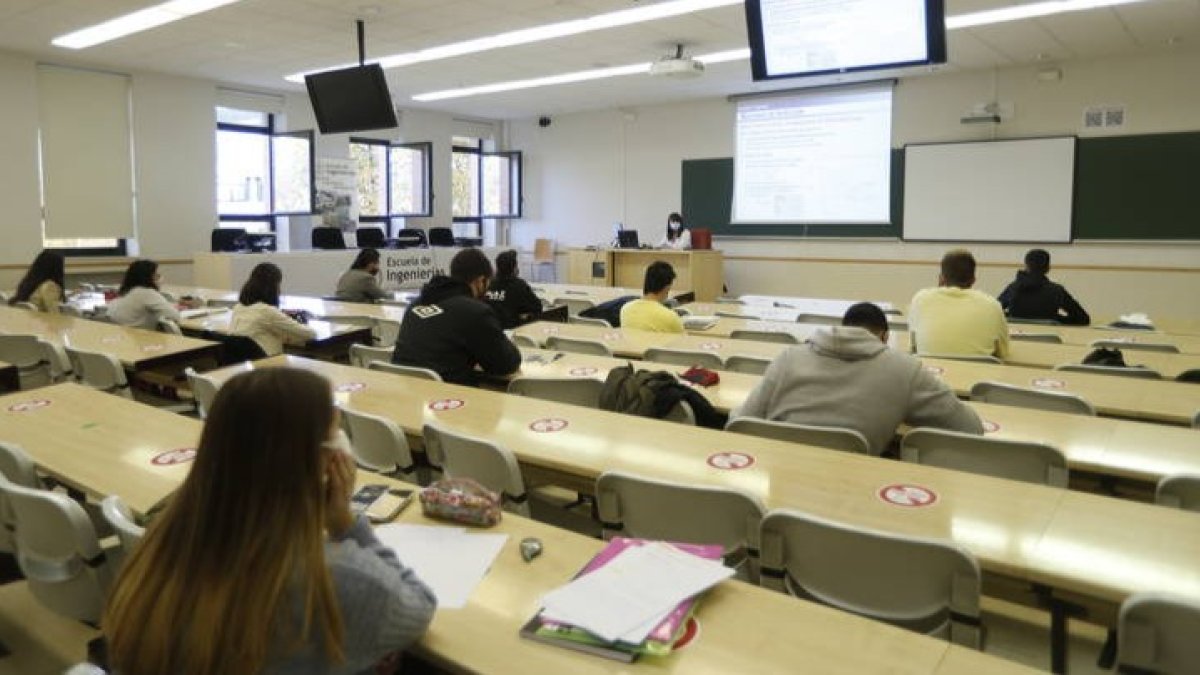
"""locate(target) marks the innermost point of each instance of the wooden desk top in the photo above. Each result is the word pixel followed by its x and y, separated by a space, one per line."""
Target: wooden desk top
pixel 627 342
pixel 315 306
pixel 1046 355
pixel 596 294
pixel 137 349
pixel 218 322
pixel 100 443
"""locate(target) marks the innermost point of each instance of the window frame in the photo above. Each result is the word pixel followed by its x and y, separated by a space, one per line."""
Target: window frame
pixel 384 219
pixel 310 136
pixel 268 130
pixel 426 150
pixel 477 151
pixel 517 196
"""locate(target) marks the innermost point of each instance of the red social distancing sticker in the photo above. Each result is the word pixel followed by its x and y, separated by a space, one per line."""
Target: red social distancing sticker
pixel 27 406
pixel 936 370
pixel 447 404
pixel 730 461
pixel 170 457
pixel 911 496
pixel 548 425
pixel 990 427
pixel 1049 383
pixel 582 372
pixel 711 346
pixel 350 387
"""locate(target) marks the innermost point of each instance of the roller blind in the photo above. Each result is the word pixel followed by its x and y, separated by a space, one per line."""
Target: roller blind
pixel 87 164
pixel 250 100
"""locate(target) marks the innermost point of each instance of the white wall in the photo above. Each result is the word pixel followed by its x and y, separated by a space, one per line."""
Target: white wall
pixel 586 171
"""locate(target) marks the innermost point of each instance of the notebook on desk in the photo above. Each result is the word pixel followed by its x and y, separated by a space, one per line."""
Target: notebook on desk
pixel 699 322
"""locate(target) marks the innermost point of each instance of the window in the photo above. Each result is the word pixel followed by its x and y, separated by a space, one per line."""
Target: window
pixel 261 174
pixel 393 179
pixel 371 159
pixel 502 185
pixel 465 186
pixel 485 185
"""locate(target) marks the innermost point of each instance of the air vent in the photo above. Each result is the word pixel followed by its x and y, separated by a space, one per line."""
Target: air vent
pixel 1104 117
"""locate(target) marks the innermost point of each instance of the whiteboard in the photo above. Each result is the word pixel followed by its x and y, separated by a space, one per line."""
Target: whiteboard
pixel 1016 191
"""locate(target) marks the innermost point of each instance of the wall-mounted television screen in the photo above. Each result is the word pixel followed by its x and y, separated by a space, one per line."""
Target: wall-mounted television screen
pixel 351 99
pixel 798 38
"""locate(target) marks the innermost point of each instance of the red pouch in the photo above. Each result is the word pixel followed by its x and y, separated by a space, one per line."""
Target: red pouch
pixel 701 376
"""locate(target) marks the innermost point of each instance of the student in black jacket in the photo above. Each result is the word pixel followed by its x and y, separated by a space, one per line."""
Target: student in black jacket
pixel 450 331
pixel 1033 296
pixel 508 294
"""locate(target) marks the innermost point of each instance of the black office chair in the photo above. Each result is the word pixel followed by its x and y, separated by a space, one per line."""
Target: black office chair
pixel 441 236
pixel 411 238
pixel 228 239
pixel 328 238
pixel 371 237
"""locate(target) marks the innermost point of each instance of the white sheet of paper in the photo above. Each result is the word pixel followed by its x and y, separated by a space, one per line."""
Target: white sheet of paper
pixel 449 560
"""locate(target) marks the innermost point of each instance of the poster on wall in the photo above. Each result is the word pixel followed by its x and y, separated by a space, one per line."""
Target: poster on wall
pixel 408 269
pixel 337 193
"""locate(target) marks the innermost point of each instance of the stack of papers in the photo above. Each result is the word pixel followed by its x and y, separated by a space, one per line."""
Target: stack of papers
pixel 448 559
pixel 699 322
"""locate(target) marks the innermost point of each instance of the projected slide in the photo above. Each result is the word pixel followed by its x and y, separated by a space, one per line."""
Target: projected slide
pixel 813 36
pixel 820 157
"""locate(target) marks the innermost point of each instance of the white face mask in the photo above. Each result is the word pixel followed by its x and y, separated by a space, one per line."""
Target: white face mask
pixel 674 225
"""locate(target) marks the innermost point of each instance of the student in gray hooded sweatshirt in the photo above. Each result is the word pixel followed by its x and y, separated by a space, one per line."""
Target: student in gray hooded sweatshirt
pixel 846 376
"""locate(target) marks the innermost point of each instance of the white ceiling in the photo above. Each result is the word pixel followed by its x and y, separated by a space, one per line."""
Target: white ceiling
pixel 255 43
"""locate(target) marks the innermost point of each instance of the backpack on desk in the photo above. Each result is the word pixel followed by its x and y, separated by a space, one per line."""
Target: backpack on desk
pixel 637 392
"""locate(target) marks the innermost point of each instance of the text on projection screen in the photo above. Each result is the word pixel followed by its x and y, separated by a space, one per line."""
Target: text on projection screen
pixel 819 157
pixel 804 37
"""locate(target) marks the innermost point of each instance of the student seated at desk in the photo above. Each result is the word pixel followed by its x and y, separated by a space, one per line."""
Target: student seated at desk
pixel 954 318
pixel 677 237
pixel 649 312
pixel 257 565
pixel 43 283
pixel 449 330
pixel 846 376
pixel 138 302
pixel 258 317
pixel 1033 296
pixel 360 283
pixel 508 294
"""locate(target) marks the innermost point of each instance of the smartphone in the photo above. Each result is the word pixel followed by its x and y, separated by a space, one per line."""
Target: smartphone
pixel 380 502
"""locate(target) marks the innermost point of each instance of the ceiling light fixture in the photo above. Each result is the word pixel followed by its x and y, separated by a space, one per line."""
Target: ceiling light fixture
pixel 136 22
pixel 524 36
pixel 1030 11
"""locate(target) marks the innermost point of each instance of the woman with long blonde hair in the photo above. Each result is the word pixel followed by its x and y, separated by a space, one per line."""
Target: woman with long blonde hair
pixel 238 575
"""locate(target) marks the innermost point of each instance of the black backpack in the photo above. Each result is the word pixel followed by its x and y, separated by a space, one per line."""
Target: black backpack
pixel 654 394
pixel 1103 356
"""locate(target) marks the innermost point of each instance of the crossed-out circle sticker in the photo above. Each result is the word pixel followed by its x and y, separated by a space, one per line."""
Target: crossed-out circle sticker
pixel 350 387
pixel 936 370
pixel 27 406
pixel 1048 383
pixel 548 425
pixel 710 346
pixel 611 336
pixel 909 496
pixel 730 461
pixel 152 348
pixel 177 456
pixel 550 330
pixel 585 371
pixel 990 427
pixel 444 404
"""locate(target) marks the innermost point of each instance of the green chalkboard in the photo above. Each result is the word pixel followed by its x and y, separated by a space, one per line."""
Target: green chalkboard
pixel 1126 187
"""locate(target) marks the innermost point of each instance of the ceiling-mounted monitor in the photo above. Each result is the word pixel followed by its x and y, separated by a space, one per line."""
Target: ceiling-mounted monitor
pixel 799 38
pixel 351 99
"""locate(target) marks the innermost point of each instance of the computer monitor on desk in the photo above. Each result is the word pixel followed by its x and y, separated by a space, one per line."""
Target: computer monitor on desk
pixel 627 239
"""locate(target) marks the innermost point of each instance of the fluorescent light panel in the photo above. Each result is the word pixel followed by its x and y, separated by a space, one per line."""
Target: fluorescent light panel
pixel 1030 11
pixel 136 22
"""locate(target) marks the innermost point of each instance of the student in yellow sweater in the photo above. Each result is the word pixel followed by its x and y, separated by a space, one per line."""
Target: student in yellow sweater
pixel 649 313
pixel 955 318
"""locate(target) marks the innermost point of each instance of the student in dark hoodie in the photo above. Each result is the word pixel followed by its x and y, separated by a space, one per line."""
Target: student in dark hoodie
pixel 508 294
pixel 450 331
pixel 1033 296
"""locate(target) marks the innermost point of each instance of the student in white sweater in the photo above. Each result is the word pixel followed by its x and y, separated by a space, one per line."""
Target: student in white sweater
pixel 846 376
pixel 258 317
pixel 139 303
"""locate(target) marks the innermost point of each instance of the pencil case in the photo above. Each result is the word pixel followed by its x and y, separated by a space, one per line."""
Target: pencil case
pixel 461 500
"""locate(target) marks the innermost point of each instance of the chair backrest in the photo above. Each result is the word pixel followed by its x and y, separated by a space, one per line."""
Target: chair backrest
pixel 571 390
pixel 26 305
pixel 834 438
pixel 221 303
pixel 587 321
pixel 328 238
pixel 29 356
pixel 637 506
pixel 818 319
pixel 370 237
pixel 204 390
pixel 735 315
pixel 20 469
pixel 1157 634
pixel 1053 338
pixel 1120 371
pixel 543 250
pixel 1196 420
pixel 1007 394
pixel 169 326
pixel 925 585
pixel 682 413
pixel 228 239
pixel 408 371
pixel 1164 347
pixel 362 355
pixel 973 358
pixel 1017 460
pixel 58 552
pixel 684 357
pixel 1181 491
pixel 386 332
pixel 493 466
pixel 120 519
pixel 574 305
pixel 99 371
pixel 764 336
pixel 411 237
pixel 578 346
pixel 441 236
pixel 525 341
pixel 379 444
pixel 747 364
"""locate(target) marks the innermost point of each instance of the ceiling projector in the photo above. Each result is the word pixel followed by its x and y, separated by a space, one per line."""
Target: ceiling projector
pixel 677 65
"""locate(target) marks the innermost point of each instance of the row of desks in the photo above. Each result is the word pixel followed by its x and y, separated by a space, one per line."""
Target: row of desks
pixel 108 446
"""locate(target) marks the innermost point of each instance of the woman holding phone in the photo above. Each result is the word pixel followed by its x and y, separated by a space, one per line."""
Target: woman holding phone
pixel 257 564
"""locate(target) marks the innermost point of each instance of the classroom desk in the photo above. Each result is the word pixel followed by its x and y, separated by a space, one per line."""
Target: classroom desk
pixel 318 307
pixel 627 342
pixel 333 339
pixel 596 294
pixel 138 350
pixel 820 306
pixel 10 379
pixel 99 443
pixel 697 271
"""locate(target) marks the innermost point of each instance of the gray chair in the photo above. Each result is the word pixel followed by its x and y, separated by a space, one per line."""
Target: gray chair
pixel 1120 371
pixel 1196 420
pixel 19 468
pixel 578 346
pixel 493 466
pixel 764 336
pixel 819 319
pixel 99 371
pixel 362 355
pixel 169 326
pixel 588 321
pixel 1053 401
pixel 386 332
pixel 379 444
pixel 752 365
pixel 972 358
pixel 570 390
pixel 834 438
pixel 1002 458
pixel 28 355
pixel 407 371
pixel 926 585
pixel 121 520
pixel 684 357
pixel 1181 491
pixel 204 391
pixel 60 364
pixel 1051 338
pixel 1163 347
pixel 525 341
pixel 647 508
pixel 1157 633
pixel 574 305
